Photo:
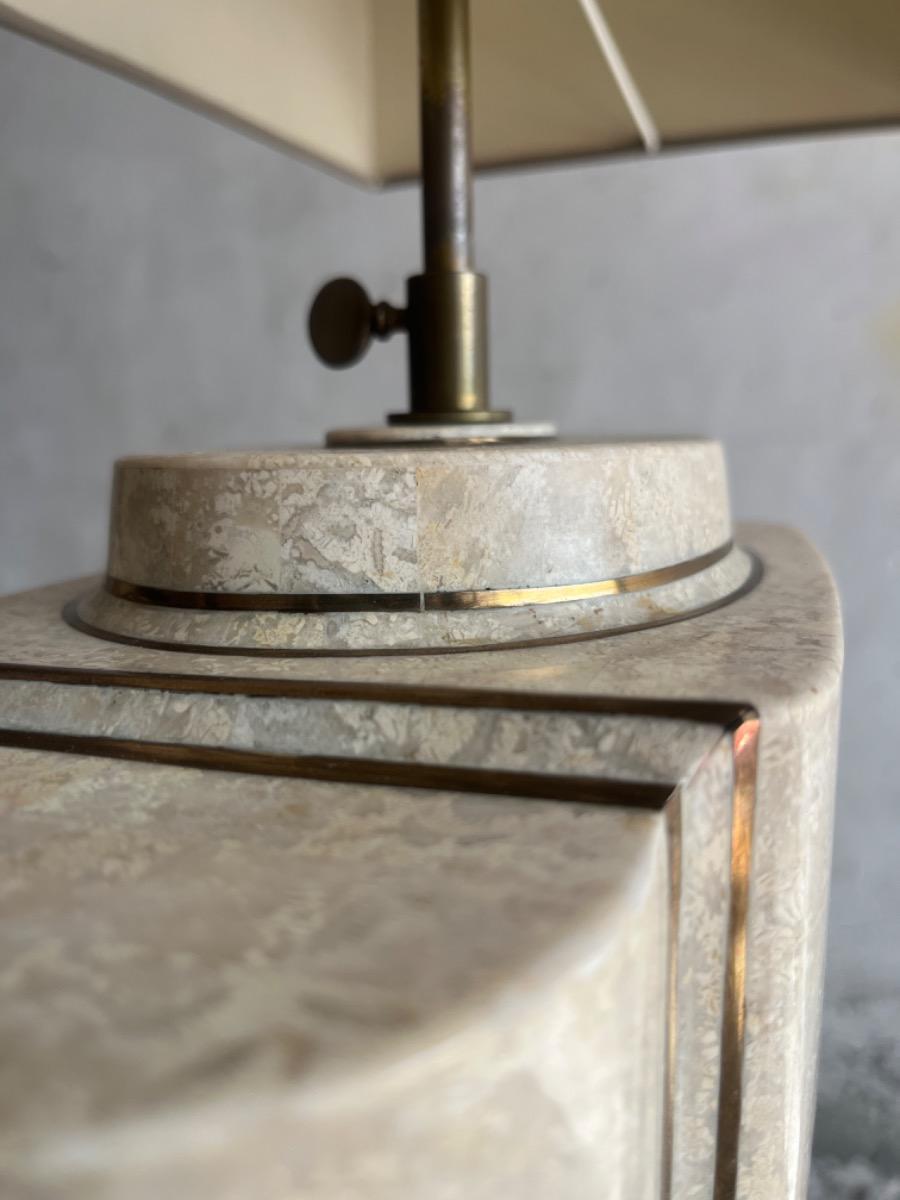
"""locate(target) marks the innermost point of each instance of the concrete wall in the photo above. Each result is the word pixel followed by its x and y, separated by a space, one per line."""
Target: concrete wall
pixel 155 271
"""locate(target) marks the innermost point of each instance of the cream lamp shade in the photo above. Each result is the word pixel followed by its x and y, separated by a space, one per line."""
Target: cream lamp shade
pixel 336 79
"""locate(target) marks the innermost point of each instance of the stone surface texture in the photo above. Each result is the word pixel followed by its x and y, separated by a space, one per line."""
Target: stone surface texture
pixel 547 742
pixel 346 632
pixel 413 520
pixel 416 521
pixel 225 985
pixel 157 268
pixel 701 947
pixel 317 989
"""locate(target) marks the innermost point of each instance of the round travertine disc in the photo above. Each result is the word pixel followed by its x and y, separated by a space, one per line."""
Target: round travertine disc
pixel 412 547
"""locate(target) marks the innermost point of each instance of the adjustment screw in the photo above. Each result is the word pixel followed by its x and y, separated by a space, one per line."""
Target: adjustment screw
pixel 343 321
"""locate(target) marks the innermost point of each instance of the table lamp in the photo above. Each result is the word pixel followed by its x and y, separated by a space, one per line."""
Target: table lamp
pixel 445 811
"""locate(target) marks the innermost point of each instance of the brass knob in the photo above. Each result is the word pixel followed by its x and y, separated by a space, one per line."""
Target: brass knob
pixel 343 321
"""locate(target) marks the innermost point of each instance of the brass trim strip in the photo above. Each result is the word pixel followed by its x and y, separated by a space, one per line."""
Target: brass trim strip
pixel 335 769
pixel 739 721
pixel 670 1065
pixel 73 618
pixel 314 602
pixel 706 712
pixel 745 758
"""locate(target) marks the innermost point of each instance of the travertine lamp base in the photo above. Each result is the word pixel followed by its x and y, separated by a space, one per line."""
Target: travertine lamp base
pixel 298 904
pixel 337 551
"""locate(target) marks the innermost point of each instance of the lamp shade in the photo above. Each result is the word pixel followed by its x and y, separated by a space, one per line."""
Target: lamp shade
pixel 336 79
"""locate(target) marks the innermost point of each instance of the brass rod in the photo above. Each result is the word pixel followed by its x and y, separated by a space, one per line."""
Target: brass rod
pixel 446 314
pixel 446 306
pixel 445 134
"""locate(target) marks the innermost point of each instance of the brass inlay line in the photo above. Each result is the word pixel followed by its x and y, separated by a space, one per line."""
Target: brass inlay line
pixel 336 769
pixel 705 712
pixel 745 752
pixel 315 602
pixel 72 616
pixel 740 721
pixel 670 1065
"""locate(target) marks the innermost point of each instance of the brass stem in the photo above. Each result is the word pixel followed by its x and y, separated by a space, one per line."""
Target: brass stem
pixel 445 134
pixel 447 304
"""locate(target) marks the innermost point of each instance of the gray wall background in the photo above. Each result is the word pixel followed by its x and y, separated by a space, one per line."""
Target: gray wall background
pixel 155 271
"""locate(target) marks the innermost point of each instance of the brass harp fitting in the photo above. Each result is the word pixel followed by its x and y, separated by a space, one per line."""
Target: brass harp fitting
pixel 446 306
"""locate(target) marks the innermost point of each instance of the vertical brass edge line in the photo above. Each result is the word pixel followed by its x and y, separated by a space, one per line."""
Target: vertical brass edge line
pixel 739 721
pixel 673 846
pixel 745 753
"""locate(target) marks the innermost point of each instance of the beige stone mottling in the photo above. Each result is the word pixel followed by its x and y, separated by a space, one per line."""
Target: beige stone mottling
pixel 348 530
pixel 257 987
pixel 351 631
pixel 199 529
pixel 158 953
pixel 542 741
pixel 416 520
pixel 570 514
pixel 705 815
